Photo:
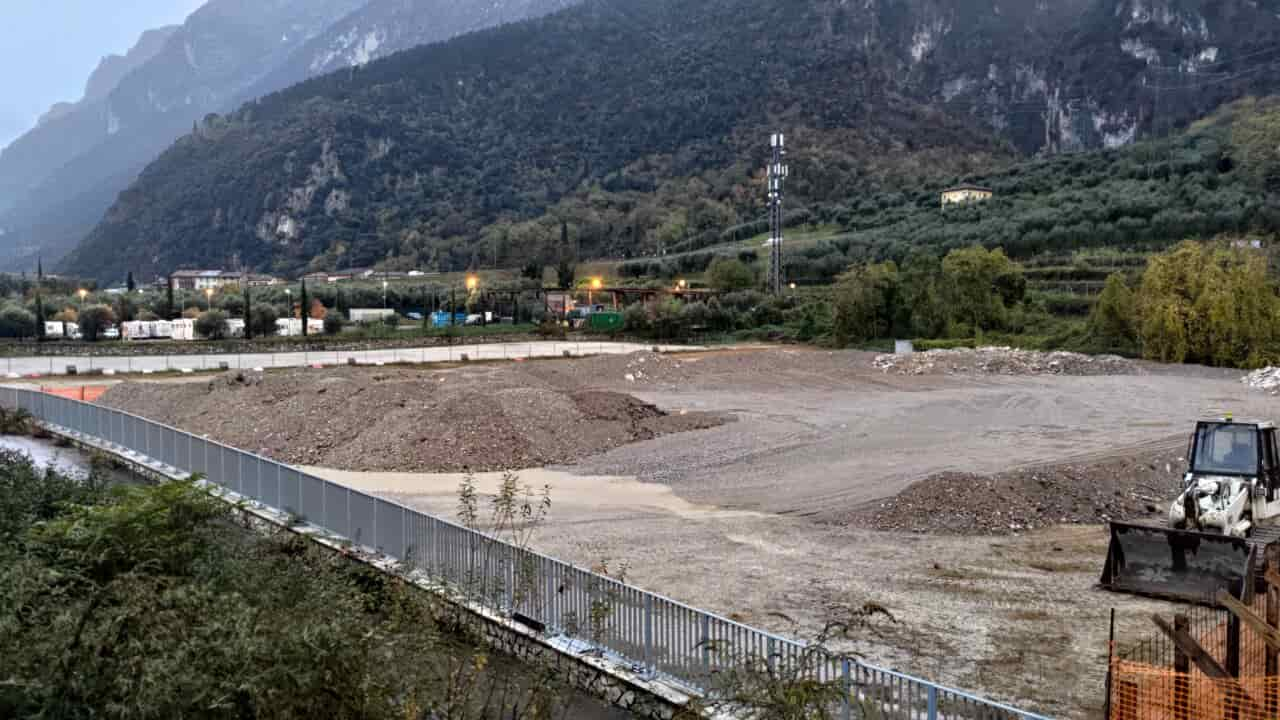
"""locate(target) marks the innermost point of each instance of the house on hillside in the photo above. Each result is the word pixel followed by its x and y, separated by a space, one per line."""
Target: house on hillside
pixel 965 194
pixel 205 279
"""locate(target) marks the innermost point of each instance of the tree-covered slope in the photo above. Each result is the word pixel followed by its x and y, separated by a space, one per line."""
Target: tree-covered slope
pixel 642 125
pixel 417 154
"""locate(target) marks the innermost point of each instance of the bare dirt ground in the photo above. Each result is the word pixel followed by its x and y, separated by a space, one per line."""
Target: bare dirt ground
pixel 795 512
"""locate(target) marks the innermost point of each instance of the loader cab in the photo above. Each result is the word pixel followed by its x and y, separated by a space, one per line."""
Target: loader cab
pixel 1239 449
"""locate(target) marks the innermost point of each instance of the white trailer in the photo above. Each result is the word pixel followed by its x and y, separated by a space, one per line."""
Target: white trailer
pixel 184 329
pixel 369 315
pixel 53 329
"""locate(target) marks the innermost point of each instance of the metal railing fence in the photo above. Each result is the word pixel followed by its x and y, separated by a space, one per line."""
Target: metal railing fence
pixel 653 634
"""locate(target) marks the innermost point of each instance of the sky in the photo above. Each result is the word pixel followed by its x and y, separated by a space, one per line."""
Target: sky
pixel 48 48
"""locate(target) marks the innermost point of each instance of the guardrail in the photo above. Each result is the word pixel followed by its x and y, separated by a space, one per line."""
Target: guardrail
pixel 653 634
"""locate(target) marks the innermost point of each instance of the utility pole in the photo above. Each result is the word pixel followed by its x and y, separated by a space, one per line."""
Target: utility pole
pixel 778 172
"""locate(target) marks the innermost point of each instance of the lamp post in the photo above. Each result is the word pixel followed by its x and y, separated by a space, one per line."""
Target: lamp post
pixel 473 283
pixel 82 293
pixel 208 297
pixel 596 284
pixel 384 294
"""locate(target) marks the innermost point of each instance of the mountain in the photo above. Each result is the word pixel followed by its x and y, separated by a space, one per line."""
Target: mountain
pixel 246 51
pixel 93 150
pixel 385 27
pixel 641 122
pixel 112 69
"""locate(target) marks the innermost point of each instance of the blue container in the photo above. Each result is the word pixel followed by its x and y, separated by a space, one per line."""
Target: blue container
pixel 439 319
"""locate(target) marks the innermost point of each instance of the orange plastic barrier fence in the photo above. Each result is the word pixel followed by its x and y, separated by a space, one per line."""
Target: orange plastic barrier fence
pixel 1143 692
pixel 83 393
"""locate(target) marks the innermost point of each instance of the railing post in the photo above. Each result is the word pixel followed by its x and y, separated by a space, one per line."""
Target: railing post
pixel 648 634
pixel 933 702
pixel 846 690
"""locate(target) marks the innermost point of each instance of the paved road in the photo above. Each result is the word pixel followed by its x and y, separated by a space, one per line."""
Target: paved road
pixel 57 365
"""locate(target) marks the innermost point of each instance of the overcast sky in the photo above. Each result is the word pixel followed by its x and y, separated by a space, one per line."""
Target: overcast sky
pixel 48 48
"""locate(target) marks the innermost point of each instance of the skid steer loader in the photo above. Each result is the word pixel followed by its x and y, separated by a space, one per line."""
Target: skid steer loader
pixel 1218 529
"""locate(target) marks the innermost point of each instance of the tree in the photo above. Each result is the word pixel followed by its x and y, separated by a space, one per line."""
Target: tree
pixel 39 316
pixel 94 320
pixel 1208 303
pixel 1112 324
pixel 129 284
pixel 248 312
pixel 39 270
pixel 729 274
pixel 169 305
pixel 566 267
pixel 921 310
pixel 333 323
pixel 126 308
pixel 16 322
pixel 302 307
pixel 974 287
pixel 863 302
pixel 212 325
pixel 262 319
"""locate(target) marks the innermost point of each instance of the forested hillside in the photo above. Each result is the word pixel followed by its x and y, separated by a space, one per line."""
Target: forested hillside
pixel 420 155
pixel 1219 177
pixel 643 126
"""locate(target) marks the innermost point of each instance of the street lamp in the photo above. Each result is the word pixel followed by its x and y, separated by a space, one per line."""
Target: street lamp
pixel 596 284
pixel 793 286
pixel 208 296
pixel 288 292
pixel 82 293
pixel 384 294
pixel 682 284
pixel 473 282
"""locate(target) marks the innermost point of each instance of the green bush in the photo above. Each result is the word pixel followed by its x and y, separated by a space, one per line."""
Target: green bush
pixel 16 322
pixel 212 325
pixel 333 323
pixel 728 274
pixel 94 320
pixel 263 320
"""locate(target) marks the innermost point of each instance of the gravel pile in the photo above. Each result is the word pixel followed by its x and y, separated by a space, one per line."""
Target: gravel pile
pixel 1005 361
pixel 481 418
pixel 1136 488
pixel 1266 379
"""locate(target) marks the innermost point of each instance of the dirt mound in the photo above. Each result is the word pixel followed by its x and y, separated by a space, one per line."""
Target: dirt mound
pixel 481 418
pixel 1137 487
pixel 1005 361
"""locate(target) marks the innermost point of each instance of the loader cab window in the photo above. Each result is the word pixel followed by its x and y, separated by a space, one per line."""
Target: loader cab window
pixel 1226 449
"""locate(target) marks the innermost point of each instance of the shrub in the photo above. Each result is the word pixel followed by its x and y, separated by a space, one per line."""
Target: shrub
pixel 635 318
pixel 728 274
pixel 392 320
pixel 94 320
pixel 262 319
pixel 333 323
pixel 16 322
pixel 212 325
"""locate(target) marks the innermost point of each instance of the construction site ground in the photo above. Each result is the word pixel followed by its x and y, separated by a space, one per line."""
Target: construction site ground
pixel 788 487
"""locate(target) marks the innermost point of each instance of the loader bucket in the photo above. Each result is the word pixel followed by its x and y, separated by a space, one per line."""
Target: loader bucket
pixel 1174 564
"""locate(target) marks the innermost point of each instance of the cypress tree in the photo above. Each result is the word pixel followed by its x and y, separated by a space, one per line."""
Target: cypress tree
pixel 129 282
pixel 248 313
pixel 39 316
pixel 302 309
pixel 168 308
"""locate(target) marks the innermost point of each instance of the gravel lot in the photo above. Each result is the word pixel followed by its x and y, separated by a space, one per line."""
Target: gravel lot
pixel 794 511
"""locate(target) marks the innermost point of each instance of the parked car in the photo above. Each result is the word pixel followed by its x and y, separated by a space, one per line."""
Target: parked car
pixel 111 334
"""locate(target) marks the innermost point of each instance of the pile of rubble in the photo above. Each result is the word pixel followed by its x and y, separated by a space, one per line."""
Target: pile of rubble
pixel 399 420
pixel 1005 361
pixel 1266 379
pixel 1137 488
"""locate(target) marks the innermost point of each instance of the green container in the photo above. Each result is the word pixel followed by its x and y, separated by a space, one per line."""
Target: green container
pixel 606 321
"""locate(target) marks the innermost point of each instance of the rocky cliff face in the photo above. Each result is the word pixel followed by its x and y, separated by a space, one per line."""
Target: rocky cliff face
pixel 71 166
pixel 64 174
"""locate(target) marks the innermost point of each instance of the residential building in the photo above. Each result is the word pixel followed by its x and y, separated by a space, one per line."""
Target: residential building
pixel 965 194
pixel 201 280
